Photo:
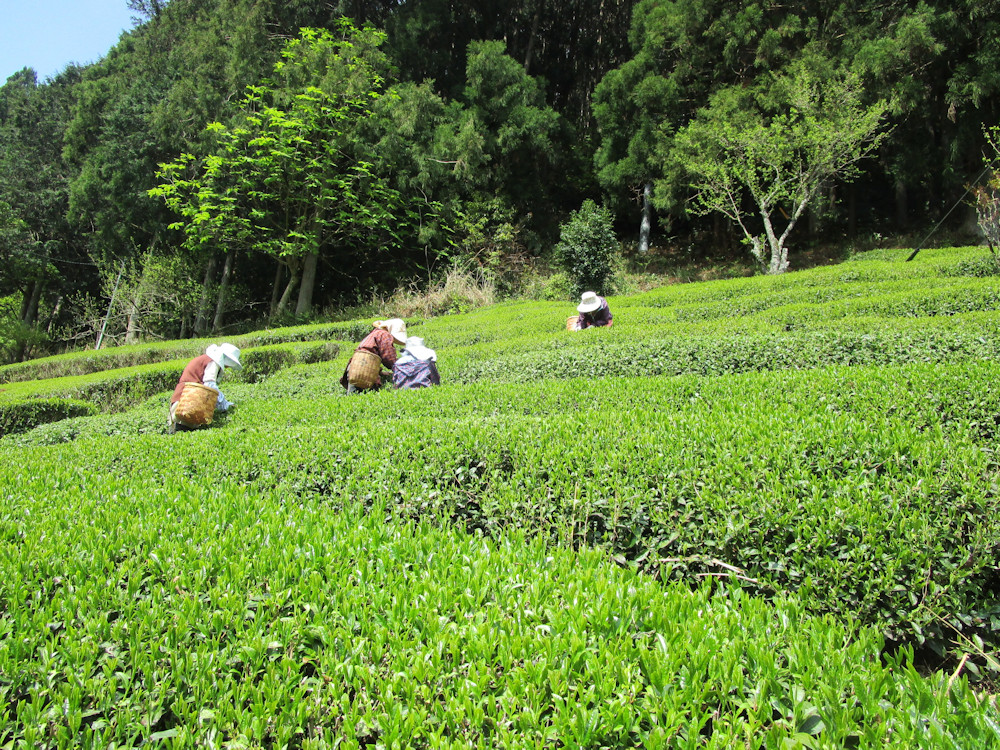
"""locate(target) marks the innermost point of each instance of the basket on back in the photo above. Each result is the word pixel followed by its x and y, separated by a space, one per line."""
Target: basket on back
pixel 196 406
pixel 363 370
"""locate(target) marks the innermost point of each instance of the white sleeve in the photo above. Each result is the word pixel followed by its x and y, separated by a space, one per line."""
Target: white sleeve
pixel 212 372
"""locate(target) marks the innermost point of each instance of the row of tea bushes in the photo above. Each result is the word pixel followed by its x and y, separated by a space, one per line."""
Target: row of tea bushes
pixel 160 605
pixel 21 416
pixel 134 355
pixel 872 492
pixel 722 354
pixel 932 267
pixel 898 298
pixel 313 380
pixel 25 405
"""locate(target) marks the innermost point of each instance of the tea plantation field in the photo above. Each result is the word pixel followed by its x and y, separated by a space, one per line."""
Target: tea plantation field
pixel 756 513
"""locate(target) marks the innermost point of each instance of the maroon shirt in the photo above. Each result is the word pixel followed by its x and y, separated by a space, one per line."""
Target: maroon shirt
pixel 193 373
pixel 379 343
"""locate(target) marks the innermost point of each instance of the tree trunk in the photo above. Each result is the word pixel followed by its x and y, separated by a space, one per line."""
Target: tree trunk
pixel 304 306
pixel 293 281
pixel 778 262
pixel 26 301
pixel 132 325
pixel 132 321
pixel 201 320
pixel 54 315
pixel 531 37
pixel 276 290
pixel 902 221
pixel 645 227
pixel 220 305
pixel 29 310
pixel 852 211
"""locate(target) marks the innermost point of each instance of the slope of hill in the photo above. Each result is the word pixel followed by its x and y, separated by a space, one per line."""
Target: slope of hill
pixel 730 520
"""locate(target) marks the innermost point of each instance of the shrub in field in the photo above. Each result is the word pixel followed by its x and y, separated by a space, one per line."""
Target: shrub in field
pixel 18 416
pixel 90 361
pixel 587 247
pixel 461 289
pixel 149 607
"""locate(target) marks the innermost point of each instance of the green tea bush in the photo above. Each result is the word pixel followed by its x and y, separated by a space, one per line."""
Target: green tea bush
pixel 147 418
pixel 18 416
pixel 741 547
pixel 165 609
pixel 91 361
pixel 722 355
pixel 121 389
pixel 987 266
pixel 264 361
pixel 587 247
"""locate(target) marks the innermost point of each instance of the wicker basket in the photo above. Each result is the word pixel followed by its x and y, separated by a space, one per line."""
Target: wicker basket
pixel 196 406
pixel 363 370
pixel 573 323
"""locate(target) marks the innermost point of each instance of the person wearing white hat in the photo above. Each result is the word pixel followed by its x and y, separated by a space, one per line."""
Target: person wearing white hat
pixel 416 367
pixel 594 311
pixel 376 350
pixel 206 370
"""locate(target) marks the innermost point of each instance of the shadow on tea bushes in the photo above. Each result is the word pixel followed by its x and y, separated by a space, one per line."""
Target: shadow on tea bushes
pixel 20 416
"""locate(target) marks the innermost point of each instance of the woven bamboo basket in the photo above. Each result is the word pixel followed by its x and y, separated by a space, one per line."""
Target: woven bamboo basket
pixel 363 370
pixel 572 322
pixel 196 406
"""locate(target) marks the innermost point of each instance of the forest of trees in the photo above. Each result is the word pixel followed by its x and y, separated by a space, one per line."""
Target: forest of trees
pixel 239 162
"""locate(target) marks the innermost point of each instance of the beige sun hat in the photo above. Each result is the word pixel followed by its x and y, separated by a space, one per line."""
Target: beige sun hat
pixel 395 326
pixel 224 355
pixel 589 301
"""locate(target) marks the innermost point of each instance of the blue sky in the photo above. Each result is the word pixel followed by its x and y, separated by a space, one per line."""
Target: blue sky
pixel 48 35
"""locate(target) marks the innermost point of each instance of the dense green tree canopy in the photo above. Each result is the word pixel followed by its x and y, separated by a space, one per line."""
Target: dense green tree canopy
pixel 40 255
pixel 491 123
pixel 686 50
pixel 293 177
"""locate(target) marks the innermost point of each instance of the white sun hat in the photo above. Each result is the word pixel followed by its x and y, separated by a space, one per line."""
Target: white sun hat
pixel 395 326
pixel 224 355
pixel 589 301
pixel 415 347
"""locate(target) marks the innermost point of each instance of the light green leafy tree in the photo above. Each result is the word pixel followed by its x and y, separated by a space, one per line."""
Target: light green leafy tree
pixel 760 157
pixel 293 177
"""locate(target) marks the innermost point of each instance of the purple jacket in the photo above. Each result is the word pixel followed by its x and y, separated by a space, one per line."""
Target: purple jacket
pixel 415 373
pixel 600 317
